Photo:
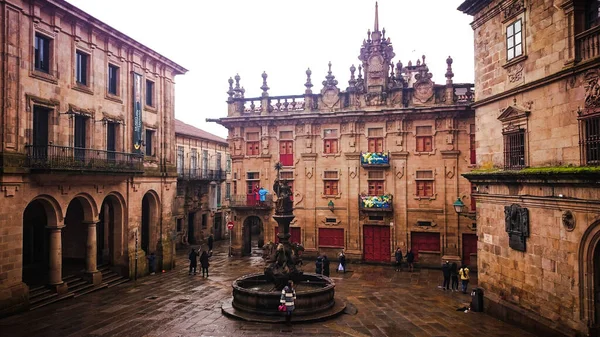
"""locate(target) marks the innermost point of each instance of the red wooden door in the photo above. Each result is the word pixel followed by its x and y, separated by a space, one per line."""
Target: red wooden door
pixel 295 234
pixel 424 241
pixel 376 243
pixel 286 153
pixel 469 247
pixel 251 193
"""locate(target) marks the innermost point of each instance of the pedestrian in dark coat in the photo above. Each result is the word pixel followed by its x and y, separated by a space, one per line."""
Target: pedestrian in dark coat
pixel 325 266
pixel 342 266
pixel 446 273
pixel 193 261
pixel 210 242
pixel 410 259
pixel 319 265
pixel 398 256
pixel 454 276
pixel 204 263
pixel 151 261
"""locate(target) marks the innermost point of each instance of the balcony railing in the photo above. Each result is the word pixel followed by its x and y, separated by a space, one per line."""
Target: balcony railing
pixel 376 203
pixel 54 157
pixel 249 202
pixel 375 159
pixel 587 44
pixel 201 174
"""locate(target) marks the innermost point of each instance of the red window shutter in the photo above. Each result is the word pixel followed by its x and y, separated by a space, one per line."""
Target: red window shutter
pixel 334 187
pixel 334 145
pixel 428 147
pixel 379 147
pixel 420 146
pixel 372 145
pixel 472 148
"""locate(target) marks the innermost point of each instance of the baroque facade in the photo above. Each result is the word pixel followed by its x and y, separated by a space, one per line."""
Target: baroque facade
pixel 373 167
pixel 537 85
pixel 87 155
pixel 203 163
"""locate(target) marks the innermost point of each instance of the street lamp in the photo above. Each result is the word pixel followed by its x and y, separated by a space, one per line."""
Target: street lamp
pixel 331 205
pixel 458 206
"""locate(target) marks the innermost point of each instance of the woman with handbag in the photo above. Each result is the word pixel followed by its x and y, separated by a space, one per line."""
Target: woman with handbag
pixel 288 297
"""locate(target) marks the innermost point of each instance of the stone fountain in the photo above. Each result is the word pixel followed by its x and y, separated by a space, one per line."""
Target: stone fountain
pixel 256 296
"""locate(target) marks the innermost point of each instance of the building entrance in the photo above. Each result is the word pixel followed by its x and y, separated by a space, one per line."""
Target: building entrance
pixel 253 233
pixel 35 244
pixel 376 243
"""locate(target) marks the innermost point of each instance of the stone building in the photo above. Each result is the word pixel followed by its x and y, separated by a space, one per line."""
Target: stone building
pixel 87 157
pixel 373 167
pixel 537 69
pixel 202 166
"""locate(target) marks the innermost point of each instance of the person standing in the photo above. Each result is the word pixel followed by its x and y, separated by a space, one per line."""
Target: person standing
pixel 193 261
pixel 464 277
pixel 454 276
pixel 204 263
pixel 262 193
pixel 151 261
pixel 446 273
pixel 342 266
pixel 256 196
pixel 288 298
pixel 319 265
pixel 210 240
pixel 410 259
pixel 325 266
pixel 398 256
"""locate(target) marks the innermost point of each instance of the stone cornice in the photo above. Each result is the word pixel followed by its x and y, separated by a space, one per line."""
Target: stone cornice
pixel 534 178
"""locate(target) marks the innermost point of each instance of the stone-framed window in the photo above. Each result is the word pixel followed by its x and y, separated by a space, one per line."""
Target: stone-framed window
pixel 227 191
pixel 424 139
pixel 514 40
pixel 42 53
pixel 149 142
pixel 82 68
pixel 113 80
pixel 252 142
pixel 286 148
pixel 590 139
pixel 375 138
pixel 194 163
pixel 331 183
pixel 592 13
pixel 514 149
pixel 180 157
pixel 330 141
pixel 150 102
pixel 376 183
pixel 424 180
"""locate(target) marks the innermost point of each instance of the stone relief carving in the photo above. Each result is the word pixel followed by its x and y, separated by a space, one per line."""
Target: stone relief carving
pixel 400 172
pixel 450 173
pixel 517 226
pixel 592 89
pixel 515 73
pixel 308 173
pixel 299 129
pixel 568 220
pixel 423 86
pixel 514 9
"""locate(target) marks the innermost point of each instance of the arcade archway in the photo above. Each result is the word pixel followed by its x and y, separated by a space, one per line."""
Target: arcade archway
pixel 253 234
pixel 150 222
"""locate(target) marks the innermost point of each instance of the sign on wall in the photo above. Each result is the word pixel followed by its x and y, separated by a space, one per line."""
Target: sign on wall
pixel 137 113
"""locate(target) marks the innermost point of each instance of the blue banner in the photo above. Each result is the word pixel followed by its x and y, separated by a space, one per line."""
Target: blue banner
pixel 137 113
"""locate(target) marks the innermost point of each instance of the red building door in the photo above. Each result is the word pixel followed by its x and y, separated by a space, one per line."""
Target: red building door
pixel 295 234
pixel 376 243
pixel 469 247
pixel 286 153
pixel 424 242
pixel 252 193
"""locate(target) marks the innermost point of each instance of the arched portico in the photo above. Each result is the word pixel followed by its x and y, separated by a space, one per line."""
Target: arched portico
pixel 110 231
pixel 79 238
pixel 589 276
pixel 253 231
pixel 150 221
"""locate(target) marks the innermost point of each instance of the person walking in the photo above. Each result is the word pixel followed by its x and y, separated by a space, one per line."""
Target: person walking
pixel 288 298
pixel 398 256
pixel 204 262
pixel 342 266
pixel 319 265
pixel 151 261
pixel 210 241
pixel 454 276
pixel 464 277
pixel 446 273
pixel 193 261
pixel 325 266
pixel 410 259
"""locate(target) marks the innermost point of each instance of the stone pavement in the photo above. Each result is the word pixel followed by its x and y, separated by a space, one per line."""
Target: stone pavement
pixel 174 304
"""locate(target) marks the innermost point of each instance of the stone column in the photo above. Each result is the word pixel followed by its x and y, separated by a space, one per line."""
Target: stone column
pixel 91 268
pixel 55 259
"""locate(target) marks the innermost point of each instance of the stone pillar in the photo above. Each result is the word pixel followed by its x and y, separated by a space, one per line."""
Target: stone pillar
pixel 55 259
pixel 91 268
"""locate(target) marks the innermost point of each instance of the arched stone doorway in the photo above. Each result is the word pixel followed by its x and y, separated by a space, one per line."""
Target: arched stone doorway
pixel 109 231
pixel 253 234
pixel 41 217
pixel 589 277
pixel 149 222
pixel 78 246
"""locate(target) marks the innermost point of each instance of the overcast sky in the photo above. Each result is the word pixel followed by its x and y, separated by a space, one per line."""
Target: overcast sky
pixel 216 39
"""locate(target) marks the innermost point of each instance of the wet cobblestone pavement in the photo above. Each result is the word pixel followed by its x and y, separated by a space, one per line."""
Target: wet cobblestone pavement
pixel 174 304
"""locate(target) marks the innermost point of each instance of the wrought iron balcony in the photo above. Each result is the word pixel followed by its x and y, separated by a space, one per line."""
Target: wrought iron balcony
pixel 201 174
pixel 67 158
pixel 376 203
pixel 587 44
pixel 375 159
pixel 249 202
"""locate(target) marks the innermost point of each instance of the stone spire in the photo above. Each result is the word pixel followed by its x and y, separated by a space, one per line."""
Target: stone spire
pixel 376 27
pixel 308 83
pixel 265 87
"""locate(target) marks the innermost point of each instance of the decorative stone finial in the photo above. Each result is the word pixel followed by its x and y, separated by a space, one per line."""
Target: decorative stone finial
pixel 308 83
pixel 376 26
pixel 330 80
pixel 449 73
pixel 423 59
pixel 352 81
pixel 359 72
pixel 230 92
pixel 264 85
pixel 383 32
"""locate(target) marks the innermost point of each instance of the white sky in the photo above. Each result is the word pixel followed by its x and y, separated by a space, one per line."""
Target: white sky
pixel 216 39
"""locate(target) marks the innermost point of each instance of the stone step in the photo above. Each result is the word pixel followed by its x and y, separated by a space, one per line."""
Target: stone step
pixel 50 300
pixel 90 288
pixel 80 288
pixel 42 297
pixel 39 291
pixel 117 282
pixel 110 278
pixel 76 283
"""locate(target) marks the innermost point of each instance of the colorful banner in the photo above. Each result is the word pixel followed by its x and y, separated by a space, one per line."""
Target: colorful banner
pixel 137 113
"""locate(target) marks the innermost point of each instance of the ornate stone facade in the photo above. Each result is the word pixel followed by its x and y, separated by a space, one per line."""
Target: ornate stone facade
pixel 538 127
pixel 87 165
pixel 372 167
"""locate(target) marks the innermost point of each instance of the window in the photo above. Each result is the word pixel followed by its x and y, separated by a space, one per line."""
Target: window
pixel 149 142
pixel 330 144
pixel 514 149
pixel 424 139
pixel 113 79
pixel 180 160
pixel 219 195
pixel 331 237
pixel 375 140
pixel 330 220
pixel 218 163
pixel 227 191
pixel 330 183
pixel 514 43
pixel 252 144
pixel 204 163
pixel 252 176
pixel 228 163
pixel 592 13
pixel 472 147
pixel 473 203
pixel 235 188
pixel 42 53
pixel 81 68
pixel 425 183
pixel 375 187
pixel 194 163
pixel 149 93
pixel 424 223
pixel 375 218
pixel 591 140
pixel 286 148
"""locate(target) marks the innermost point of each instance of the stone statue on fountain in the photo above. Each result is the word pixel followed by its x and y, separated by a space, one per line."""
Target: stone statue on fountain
pixel 282 259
